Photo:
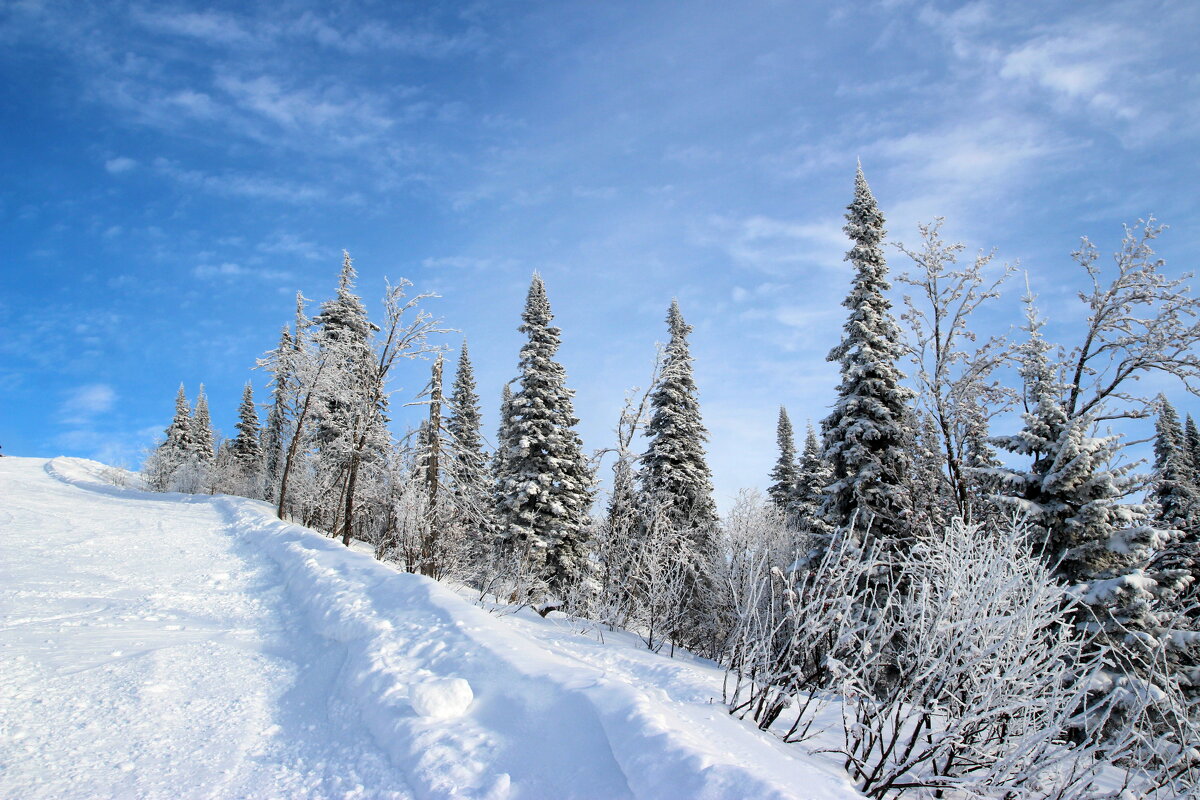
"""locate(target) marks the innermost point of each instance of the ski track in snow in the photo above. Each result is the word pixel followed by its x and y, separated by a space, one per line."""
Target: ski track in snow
pixel 171 646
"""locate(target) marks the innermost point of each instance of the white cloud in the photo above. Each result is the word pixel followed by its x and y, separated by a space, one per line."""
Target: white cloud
pixel 120 164
pixel 775 245
pixel 86 402
pixel 232 270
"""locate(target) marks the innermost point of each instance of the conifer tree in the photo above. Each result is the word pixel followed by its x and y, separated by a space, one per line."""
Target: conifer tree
pixel 176 448
pixel 812 478
pixel 464 424
pixel 201 429
pixel 677 491
pixel 675 476
pixel 1191 438
pixel 1174 476
pixel 505 444
pixel 350 429
pixel 247 445
pixel 547 483
pixel 931 497
pixel 865 436
pixel 275 433
pixel 783 491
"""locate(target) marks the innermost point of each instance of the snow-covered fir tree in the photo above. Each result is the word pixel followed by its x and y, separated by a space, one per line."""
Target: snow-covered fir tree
pixel 783 491
pixel 1074 498
pixel 675 475
pixel 350 429
pixel 276 432
pixel 1174 474
pixel 677 490
pixel 931 499
pixel 812 478
pixel 176 448
pixel 247 445
pixel 546 485
pixel 246 448
pixel 469 476
pixel 864 435
pixel 1191 439
pixel 201 429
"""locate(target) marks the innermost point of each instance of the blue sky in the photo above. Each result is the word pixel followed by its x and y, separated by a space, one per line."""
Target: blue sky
pixel 174 174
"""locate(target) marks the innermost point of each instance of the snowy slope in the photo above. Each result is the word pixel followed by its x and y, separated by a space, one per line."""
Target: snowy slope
pixel 168 645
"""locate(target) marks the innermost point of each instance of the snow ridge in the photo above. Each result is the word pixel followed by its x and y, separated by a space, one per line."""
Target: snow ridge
pixel 547 719
pixel 469 705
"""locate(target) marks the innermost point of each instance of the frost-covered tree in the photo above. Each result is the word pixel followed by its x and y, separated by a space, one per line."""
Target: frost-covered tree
pixel 677 487
pixel 864 435
pixel 1139 322
pixel 1174 475
pixel 1191 437
pixel 245 455
pixel 932 498
pixel 954 373
pixel 812 479
pixel 547 485
pixel 247 445
pixel 277 432
pixel 675 474
pixel 784 489
pixel 350 423
pixel 176 448
pixel 468 471
pixel 201 429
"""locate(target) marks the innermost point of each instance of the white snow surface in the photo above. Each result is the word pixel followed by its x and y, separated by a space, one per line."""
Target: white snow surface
pixel 178 646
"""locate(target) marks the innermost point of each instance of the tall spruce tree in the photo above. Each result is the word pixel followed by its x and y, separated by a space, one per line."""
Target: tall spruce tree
pixel 677 489
pixel 176 448
pixel 350 429
pixel 864 435
pixel 547 484
pixel 812 479
pixel 275 434
pixel 1191 438
pixel 201 429
pixel 675 476
pixel 1174 475
pixel 468 472
pixel 784 490
pixel 247 445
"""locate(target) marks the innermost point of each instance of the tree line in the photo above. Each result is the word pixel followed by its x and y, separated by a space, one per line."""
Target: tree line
pixel 1016 625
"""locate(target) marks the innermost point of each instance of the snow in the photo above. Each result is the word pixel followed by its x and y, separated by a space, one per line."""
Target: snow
pixel 163 645
pixel 441 698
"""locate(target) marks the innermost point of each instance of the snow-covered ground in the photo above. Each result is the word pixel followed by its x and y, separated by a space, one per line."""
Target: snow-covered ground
pixel 168 646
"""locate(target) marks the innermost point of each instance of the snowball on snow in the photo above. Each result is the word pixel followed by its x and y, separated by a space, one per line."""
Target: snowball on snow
pixel 441 698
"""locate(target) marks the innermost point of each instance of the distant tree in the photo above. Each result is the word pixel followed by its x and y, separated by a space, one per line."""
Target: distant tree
pixel 175 450
pixel 864 435
pixel 1174 476
pixel 276 433
pixel 201 429
pixel 812 479
pixel 246 447
pixel 547 484
pixel 783 490
pixel 1191 437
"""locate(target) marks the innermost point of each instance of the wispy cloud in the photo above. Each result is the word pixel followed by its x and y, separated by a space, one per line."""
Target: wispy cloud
pixel 231 270
pixel 85 403
pixel 120 164
pixel 240 184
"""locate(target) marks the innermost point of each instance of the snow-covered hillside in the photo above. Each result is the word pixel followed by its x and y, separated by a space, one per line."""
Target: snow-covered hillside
pixel 165 646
